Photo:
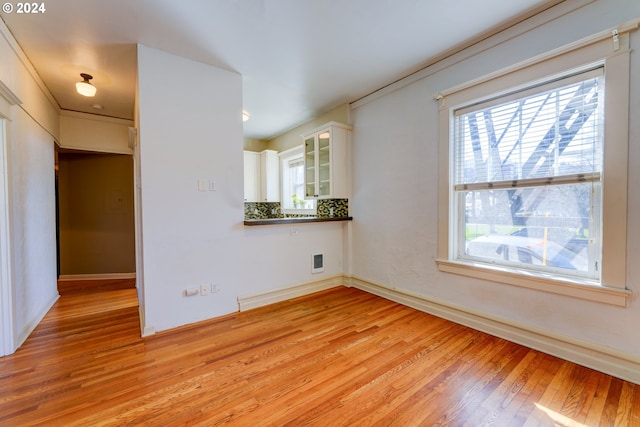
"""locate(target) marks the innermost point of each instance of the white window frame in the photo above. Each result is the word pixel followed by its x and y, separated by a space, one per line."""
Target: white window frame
pixel 285 157
pixel 610 49
pixel 592 177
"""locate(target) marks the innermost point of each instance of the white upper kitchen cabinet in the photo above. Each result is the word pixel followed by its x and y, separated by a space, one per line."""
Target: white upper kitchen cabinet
pixel 326 160
pixel 261 176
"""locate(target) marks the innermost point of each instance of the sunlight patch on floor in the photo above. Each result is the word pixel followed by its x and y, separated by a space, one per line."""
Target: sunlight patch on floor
pixel 559 419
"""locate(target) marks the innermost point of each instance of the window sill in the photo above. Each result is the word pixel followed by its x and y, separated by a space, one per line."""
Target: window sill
pixel 587 290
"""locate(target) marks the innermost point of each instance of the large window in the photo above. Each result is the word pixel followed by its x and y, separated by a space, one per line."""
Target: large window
pixel 292 173
pixel 527 170
pixel 533 172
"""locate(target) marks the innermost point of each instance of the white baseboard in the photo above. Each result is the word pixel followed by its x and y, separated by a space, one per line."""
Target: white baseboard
pixel 145 330
pixel 270 297
pixel 99 276
pixel 26 331
pixel 148 331
pixel 600 358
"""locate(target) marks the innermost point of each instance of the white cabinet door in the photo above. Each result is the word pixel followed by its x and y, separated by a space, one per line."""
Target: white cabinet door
pixel 251 176
pixel 269 176
pixel 325 178
pixel 261 176
pixel 326 162
pixel 310 169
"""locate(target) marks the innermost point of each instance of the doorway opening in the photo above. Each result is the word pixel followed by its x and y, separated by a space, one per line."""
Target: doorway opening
pixel 95 221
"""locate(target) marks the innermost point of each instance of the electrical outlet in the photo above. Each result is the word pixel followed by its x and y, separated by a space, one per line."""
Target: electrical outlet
pixel 205 289
pixel 191 292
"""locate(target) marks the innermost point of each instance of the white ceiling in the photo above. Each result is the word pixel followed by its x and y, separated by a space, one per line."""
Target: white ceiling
pixel 297 58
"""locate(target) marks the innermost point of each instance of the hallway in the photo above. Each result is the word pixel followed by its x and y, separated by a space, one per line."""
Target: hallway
pixel 52 371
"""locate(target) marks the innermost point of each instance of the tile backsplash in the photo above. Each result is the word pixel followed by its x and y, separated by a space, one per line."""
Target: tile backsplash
pixel 333 207
pixel 338 208
pixel 261 210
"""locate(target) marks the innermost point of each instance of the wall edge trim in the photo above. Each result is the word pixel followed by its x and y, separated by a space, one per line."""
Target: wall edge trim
pixel 148 331
pixel 260 299
pixel 463 52
pixel 99 276
pixel 96 118
pixel 22 57
pixel 8 94
pixel 29 327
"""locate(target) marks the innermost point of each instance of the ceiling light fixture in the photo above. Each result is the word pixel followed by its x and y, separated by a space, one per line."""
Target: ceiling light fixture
pixel 85 88
pixel 245 116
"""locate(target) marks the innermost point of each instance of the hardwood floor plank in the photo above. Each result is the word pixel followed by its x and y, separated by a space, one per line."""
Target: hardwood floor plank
pixel 517 390
pixel 539 380
pixel 434 368
pixel 587 396
pixel 634 413
pixel 340 357
pixel 610 410
pixel 495 391
pixel 625 406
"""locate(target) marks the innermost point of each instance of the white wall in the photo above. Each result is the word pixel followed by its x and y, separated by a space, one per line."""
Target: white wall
pixel 32 127
pixel 187 134
pixel 395 192
pixel 32 223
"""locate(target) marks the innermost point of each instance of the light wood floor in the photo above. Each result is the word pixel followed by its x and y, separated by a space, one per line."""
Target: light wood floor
pixel 337 358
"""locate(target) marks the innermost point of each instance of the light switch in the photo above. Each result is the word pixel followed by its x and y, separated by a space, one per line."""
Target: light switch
pixel 202 185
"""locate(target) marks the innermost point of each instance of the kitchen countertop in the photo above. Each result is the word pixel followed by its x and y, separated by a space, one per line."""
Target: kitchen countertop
pixel 294 220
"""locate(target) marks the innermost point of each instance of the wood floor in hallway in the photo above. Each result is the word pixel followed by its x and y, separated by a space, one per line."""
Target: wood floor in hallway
pixel 340 357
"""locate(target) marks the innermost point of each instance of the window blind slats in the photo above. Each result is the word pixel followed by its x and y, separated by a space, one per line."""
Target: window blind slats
pixel 549 134
pixel 597 70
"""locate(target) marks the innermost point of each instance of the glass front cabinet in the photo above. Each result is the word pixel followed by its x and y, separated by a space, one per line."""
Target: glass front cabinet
pixel 326 162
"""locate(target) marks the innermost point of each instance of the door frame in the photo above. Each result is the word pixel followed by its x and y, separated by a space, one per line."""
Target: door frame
pixel 6 294
pixel 134 145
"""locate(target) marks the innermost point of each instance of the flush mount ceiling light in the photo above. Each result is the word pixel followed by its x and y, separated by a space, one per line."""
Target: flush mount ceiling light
pixel 85 88
pixel 245 116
